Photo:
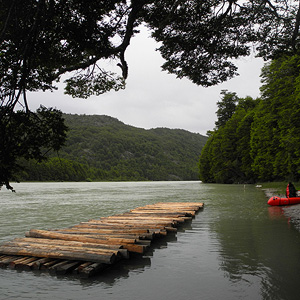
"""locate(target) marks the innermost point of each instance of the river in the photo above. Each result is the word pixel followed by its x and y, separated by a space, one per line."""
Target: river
pixel 236 247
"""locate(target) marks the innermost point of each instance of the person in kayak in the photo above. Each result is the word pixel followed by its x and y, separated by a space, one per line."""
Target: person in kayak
pixel 291 191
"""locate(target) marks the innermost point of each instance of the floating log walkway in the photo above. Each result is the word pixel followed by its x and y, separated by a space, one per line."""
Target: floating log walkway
pixel 90 247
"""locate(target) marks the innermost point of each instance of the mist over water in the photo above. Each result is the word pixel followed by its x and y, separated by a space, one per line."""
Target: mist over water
pixel 236 247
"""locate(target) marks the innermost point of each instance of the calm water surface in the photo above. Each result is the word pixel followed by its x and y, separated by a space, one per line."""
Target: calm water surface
pixel 236 248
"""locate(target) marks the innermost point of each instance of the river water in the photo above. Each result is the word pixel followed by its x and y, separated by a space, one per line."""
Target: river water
pixel 236 248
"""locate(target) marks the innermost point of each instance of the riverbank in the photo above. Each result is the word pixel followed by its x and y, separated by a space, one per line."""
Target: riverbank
pixel 292 211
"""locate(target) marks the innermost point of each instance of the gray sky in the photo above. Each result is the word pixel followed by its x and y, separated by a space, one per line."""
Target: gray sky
pixel 153 98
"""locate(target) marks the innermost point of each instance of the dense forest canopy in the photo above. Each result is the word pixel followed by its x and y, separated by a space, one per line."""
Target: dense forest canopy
pixel 41 40
pixel 261 139
pixel 104 149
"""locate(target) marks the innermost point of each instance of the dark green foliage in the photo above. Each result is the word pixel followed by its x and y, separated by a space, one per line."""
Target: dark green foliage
pixel 27 136
pixel 261 140
pixel 103 148
pixel 226 107
pixel 226 156
pixel 276 130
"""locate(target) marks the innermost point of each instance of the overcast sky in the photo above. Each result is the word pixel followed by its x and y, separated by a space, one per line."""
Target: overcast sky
pixel 153 98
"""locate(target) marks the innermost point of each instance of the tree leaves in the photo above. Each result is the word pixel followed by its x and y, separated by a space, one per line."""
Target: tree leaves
pixel 84 86
pixel 27 136
pixel 261 139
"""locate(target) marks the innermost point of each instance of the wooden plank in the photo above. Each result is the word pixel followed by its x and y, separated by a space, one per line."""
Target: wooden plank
pixel 59 254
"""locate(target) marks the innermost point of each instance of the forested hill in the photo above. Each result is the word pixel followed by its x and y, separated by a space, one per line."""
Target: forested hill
pixel 104 148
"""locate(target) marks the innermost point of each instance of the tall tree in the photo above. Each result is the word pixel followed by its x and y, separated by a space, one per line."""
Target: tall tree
pixel 226 156
pixel 226 107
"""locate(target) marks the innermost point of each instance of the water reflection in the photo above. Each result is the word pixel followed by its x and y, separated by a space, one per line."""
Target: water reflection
pixel 258 250
pixel 275 212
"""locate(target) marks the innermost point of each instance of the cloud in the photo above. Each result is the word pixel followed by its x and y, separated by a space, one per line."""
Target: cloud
pixel 154 98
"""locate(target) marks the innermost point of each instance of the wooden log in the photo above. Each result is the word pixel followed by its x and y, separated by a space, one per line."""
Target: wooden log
pixel 26 245
pixel 117 249
pixel 67 243
pixel 175 216
pixel 60 254
pixel 12 264
pixel 136 248
pixel 70 237
pixel 5 261
pixel 95 232
pixel 146 223
pixel 143 242
pixel 78 269
pixel 195 205
pixel 105 253
pixel 117 225
pixel 48 264
pixel 116 240
pixel 63 267
pixel 139 219
pixel 76 237
pixel 92 270
pixel 166 206
pixel 171 229
pixel 25 264
pixel 102 229
pixel 134 217
pixel 99 234
pixel 149 214
pixel 52 269
pixel 40 262
pixel 66 268
pixel 161 210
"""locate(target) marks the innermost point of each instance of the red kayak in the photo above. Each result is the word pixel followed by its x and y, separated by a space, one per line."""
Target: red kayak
pixel 276 201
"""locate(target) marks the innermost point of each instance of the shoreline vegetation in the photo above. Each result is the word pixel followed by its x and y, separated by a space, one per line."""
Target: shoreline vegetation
pixel 257 139
pixel 102 148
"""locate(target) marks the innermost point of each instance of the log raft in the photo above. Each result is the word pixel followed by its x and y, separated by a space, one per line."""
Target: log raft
pixel 90 247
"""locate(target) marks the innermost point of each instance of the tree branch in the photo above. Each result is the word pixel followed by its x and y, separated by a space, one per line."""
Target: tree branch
pixel 296 29
pixel 7 21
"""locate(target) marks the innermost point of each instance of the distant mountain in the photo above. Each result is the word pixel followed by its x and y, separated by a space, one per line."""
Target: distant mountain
pixel 104 148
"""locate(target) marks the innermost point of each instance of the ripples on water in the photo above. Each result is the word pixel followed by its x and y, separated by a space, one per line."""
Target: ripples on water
pixel 236 248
